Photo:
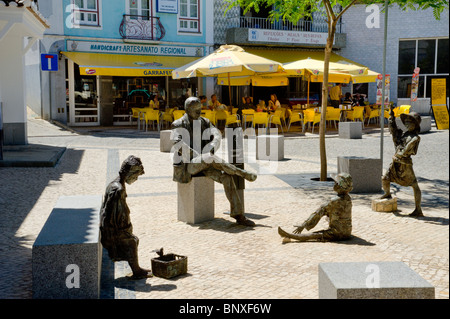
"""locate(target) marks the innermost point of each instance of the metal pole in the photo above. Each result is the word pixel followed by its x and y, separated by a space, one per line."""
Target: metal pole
pixel 386 3
pixel 1 131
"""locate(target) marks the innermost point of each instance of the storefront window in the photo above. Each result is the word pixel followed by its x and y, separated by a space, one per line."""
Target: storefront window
pixel 442 56
pixel 426 54
pixel 180 89
pixel 86 106
pixel 406 57
pixel 404 87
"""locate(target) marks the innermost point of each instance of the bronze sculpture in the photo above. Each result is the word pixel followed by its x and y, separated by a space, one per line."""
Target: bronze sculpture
pixel 115 224
pixel 194 156
pixel 401 170
pixel 338 210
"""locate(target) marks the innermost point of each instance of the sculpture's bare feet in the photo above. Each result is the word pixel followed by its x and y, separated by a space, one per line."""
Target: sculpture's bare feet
pixel 387 195
pixel 242 220
pixel 250 176
pixel 283 234
pixel 416 213
pixel 141 274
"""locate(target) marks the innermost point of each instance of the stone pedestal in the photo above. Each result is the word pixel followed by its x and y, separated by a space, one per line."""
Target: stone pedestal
pixel 372 280
pixel 270 147
pixel 165 144
pixel 425 124
pixel 196 200
pixel 366 173
pixel 384 205
pixel 67 254
pixel 350 130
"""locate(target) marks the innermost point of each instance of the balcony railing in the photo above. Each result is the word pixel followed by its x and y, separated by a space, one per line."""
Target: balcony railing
pixel 264 23
pixel 141 28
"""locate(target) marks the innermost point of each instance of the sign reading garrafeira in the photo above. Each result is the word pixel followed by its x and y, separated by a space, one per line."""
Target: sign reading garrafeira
pixel 126 48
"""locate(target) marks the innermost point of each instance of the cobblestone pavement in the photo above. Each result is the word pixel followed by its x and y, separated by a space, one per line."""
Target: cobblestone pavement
pixel 226 260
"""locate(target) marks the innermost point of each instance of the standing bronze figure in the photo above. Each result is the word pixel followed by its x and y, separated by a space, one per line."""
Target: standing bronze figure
pixel 195 139
pixel 115 224
pixel 401 170
pixel 338 210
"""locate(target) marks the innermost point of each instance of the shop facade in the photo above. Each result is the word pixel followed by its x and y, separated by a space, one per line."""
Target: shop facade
pixel 118 55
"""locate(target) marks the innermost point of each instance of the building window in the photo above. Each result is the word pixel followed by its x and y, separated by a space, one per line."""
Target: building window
pixel 430 55
pixel 139 9
pixel 86 12
pixel 189 16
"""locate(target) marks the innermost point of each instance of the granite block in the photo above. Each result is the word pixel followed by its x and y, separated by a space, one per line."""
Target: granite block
pixel 165 143
pixel 270 147
pixel 385 205
pixel 196 200
pixel 66 255
pixel 372 280
pixel 366 173
pixel 350 130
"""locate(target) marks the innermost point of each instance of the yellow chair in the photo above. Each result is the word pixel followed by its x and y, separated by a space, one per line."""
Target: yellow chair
pixel 177 114
pixel 261 118
pixel 356 114
pixel 136 113
pixel 210 115
pixel 333 114
pixel 247 116
pixel 294 117
pixel 276 118
pixel 310 116
pixel 167 116
pixel 373 114
pixel 151 115
pixel 221 115
pixel 404 109
pixel 284 115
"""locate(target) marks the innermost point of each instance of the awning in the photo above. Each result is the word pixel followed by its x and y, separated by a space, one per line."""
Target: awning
pixel 126 65
pixel 286 56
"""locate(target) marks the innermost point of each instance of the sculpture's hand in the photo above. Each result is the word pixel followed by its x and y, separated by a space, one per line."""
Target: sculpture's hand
pixel 298 230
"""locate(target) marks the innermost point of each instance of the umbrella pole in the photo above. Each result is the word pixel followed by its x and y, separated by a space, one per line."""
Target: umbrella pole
pixel 307 103
pixel 229 88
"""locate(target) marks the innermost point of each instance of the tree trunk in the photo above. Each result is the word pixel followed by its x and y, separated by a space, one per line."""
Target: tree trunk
pixel 328 49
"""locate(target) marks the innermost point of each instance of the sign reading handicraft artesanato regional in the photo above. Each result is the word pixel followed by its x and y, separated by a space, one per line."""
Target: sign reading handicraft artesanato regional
pixel 141 49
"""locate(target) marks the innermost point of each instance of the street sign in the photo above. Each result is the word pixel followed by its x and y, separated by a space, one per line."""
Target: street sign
pixel 49 62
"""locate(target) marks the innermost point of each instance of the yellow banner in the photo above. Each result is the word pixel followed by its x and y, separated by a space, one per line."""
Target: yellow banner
pixel 440 116
pixel 438 92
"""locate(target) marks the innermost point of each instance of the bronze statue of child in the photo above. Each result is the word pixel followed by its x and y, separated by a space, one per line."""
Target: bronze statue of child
pixel 338 210
pixel 401 169
pixel 115 224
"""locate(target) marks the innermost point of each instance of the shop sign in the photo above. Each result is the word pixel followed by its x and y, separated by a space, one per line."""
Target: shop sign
pixel 167 6
pixel 438 91
pixel 415 85
pixel 284 36
pixel 125 48
pixel 387 89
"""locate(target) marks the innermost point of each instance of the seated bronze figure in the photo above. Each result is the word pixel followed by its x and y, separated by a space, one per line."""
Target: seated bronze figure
pixel 115 224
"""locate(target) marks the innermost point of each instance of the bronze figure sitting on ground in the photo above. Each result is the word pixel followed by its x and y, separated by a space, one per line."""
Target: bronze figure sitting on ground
pixel 338 210
pixel 401 169
pixel 115 224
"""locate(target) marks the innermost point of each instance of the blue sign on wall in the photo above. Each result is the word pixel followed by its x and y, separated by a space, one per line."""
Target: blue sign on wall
pixel 49 62
pixel 167 6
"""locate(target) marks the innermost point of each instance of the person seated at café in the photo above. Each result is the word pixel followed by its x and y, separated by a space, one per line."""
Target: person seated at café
pixel 348 98
pixel 261 107
pixel 274 104
pixel 204 101
pixel 214 103
pixel 248 103
pixel 154 102
pixel 359 99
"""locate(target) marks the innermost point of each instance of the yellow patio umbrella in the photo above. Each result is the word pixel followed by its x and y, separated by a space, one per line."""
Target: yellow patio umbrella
pixel 231 60
pixel 277 79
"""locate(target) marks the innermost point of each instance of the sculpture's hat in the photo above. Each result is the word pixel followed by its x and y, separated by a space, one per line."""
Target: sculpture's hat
pixel 413 116
pixel 344 180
